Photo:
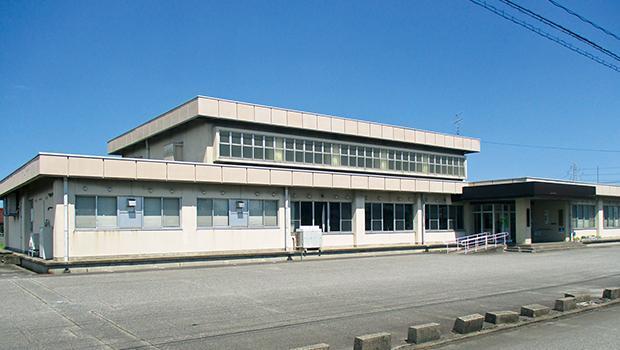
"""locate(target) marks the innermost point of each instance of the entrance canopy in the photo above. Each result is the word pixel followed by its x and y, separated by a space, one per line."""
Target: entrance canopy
pixel 526 188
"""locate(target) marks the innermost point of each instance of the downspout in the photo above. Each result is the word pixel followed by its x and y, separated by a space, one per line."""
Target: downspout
pixel 65 202
pixel 287 213
pixel 421 218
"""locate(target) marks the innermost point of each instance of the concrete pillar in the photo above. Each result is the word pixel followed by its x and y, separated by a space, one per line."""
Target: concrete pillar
pixel 468 215
pixel 567 225
pixel 600 218
pixel 419 220
pixel 288 229
pixel 524 231
pixel 359 218
pixel 58 227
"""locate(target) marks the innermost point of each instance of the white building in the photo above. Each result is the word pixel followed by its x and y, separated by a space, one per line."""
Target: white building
pixel 214 176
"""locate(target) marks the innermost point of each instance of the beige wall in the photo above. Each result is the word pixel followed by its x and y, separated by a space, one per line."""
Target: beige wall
pixel 197 137
pixel 524 232
pixel 190 239
pixel 187 239
pixel 17 229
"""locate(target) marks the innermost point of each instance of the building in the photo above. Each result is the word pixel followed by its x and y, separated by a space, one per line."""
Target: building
pixel 215 175
pixel 2 222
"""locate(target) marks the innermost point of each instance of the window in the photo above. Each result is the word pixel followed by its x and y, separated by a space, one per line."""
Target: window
pixel 235 145
pixel 215 212
pixel 256 213
pixel 95 212
pixel 277 148
pixel 225 144
pixel 106 212
pixel 152 212
pixel 443 217
pixel 85 212
pixel 220 212
pixel 377 216
pixel 612 216
pixel 528 217
pixel 173 151
pixel 295 215
pixel 103 212
pixel 583 216
pixel 247 145
pixel 204 212
pixel 329 216
pixel 388 217
pixel 171 212
pixel 334 216
pixel 346 217
pixel 270 215
pixel 162 212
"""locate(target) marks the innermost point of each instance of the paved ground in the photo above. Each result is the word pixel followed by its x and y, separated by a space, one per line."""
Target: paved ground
pixel 278 306
pixel 593 330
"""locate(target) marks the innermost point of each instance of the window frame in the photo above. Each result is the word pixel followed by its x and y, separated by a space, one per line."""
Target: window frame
pixel 296 209
pixel 579 221
pixel 228 226
pixel 433 215
pixel 307 151
pixel 372 208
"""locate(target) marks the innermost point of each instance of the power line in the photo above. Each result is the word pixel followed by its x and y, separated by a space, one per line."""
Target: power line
pixel 561 28
pixel 555 3
pixel 558 148
pixel 546 35
pixel 609 167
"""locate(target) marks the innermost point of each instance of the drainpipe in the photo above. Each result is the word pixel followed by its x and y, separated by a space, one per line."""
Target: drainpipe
pixel 65 202
pixel 287 213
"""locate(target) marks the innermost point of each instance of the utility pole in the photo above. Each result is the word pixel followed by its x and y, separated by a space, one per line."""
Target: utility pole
pixel 573 172
pixel 457 122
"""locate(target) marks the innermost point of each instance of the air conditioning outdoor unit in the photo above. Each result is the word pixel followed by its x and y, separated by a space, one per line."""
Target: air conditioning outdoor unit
pixel 309 237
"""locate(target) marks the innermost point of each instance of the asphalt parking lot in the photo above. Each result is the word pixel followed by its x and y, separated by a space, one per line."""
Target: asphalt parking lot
pixel 279 306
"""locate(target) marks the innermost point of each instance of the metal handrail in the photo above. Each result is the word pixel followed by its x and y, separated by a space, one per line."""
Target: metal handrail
pixel 482 240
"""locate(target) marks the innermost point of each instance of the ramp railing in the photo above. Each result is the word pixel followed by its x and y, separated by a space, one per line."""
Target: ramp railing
pixel 480 241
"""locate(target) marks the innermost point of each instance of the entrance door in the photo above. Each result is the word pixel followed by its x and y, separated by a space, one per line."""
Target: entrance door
pixel 494 217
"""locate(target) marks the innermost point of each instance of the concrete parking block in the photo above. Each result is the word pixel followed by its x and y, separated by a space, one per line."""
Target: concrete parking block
pixel 468 324
pixel 499 317
pixel 321 346
pixel 580 297
pixel 424 333
pixel 376 341
pixel 565 304
pixel 534 310
pixel 611 293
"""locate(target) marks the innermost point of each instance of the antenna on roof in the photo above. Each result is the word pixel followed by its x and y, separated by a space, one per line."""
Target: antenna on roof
pixel 457 122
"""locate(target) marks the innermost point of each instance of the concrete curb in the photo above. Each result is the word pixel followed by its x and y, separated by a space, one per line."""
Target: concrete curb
pixel 509 326
pixel 124 264
pixel 428 335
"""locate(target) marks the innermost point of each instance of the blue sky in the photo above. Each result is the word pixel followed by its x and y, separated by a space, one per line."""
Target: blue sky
pixel 74 74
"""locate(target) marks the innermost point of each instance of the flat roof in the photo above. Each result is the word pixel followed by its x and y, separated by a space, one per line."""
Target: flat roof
pixel 110 168
pixel 217 108
pixel 537 186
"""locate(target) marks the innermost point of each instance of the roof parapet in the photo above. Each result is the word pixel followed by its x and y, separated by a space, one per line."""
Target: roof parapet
pixel 202 106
